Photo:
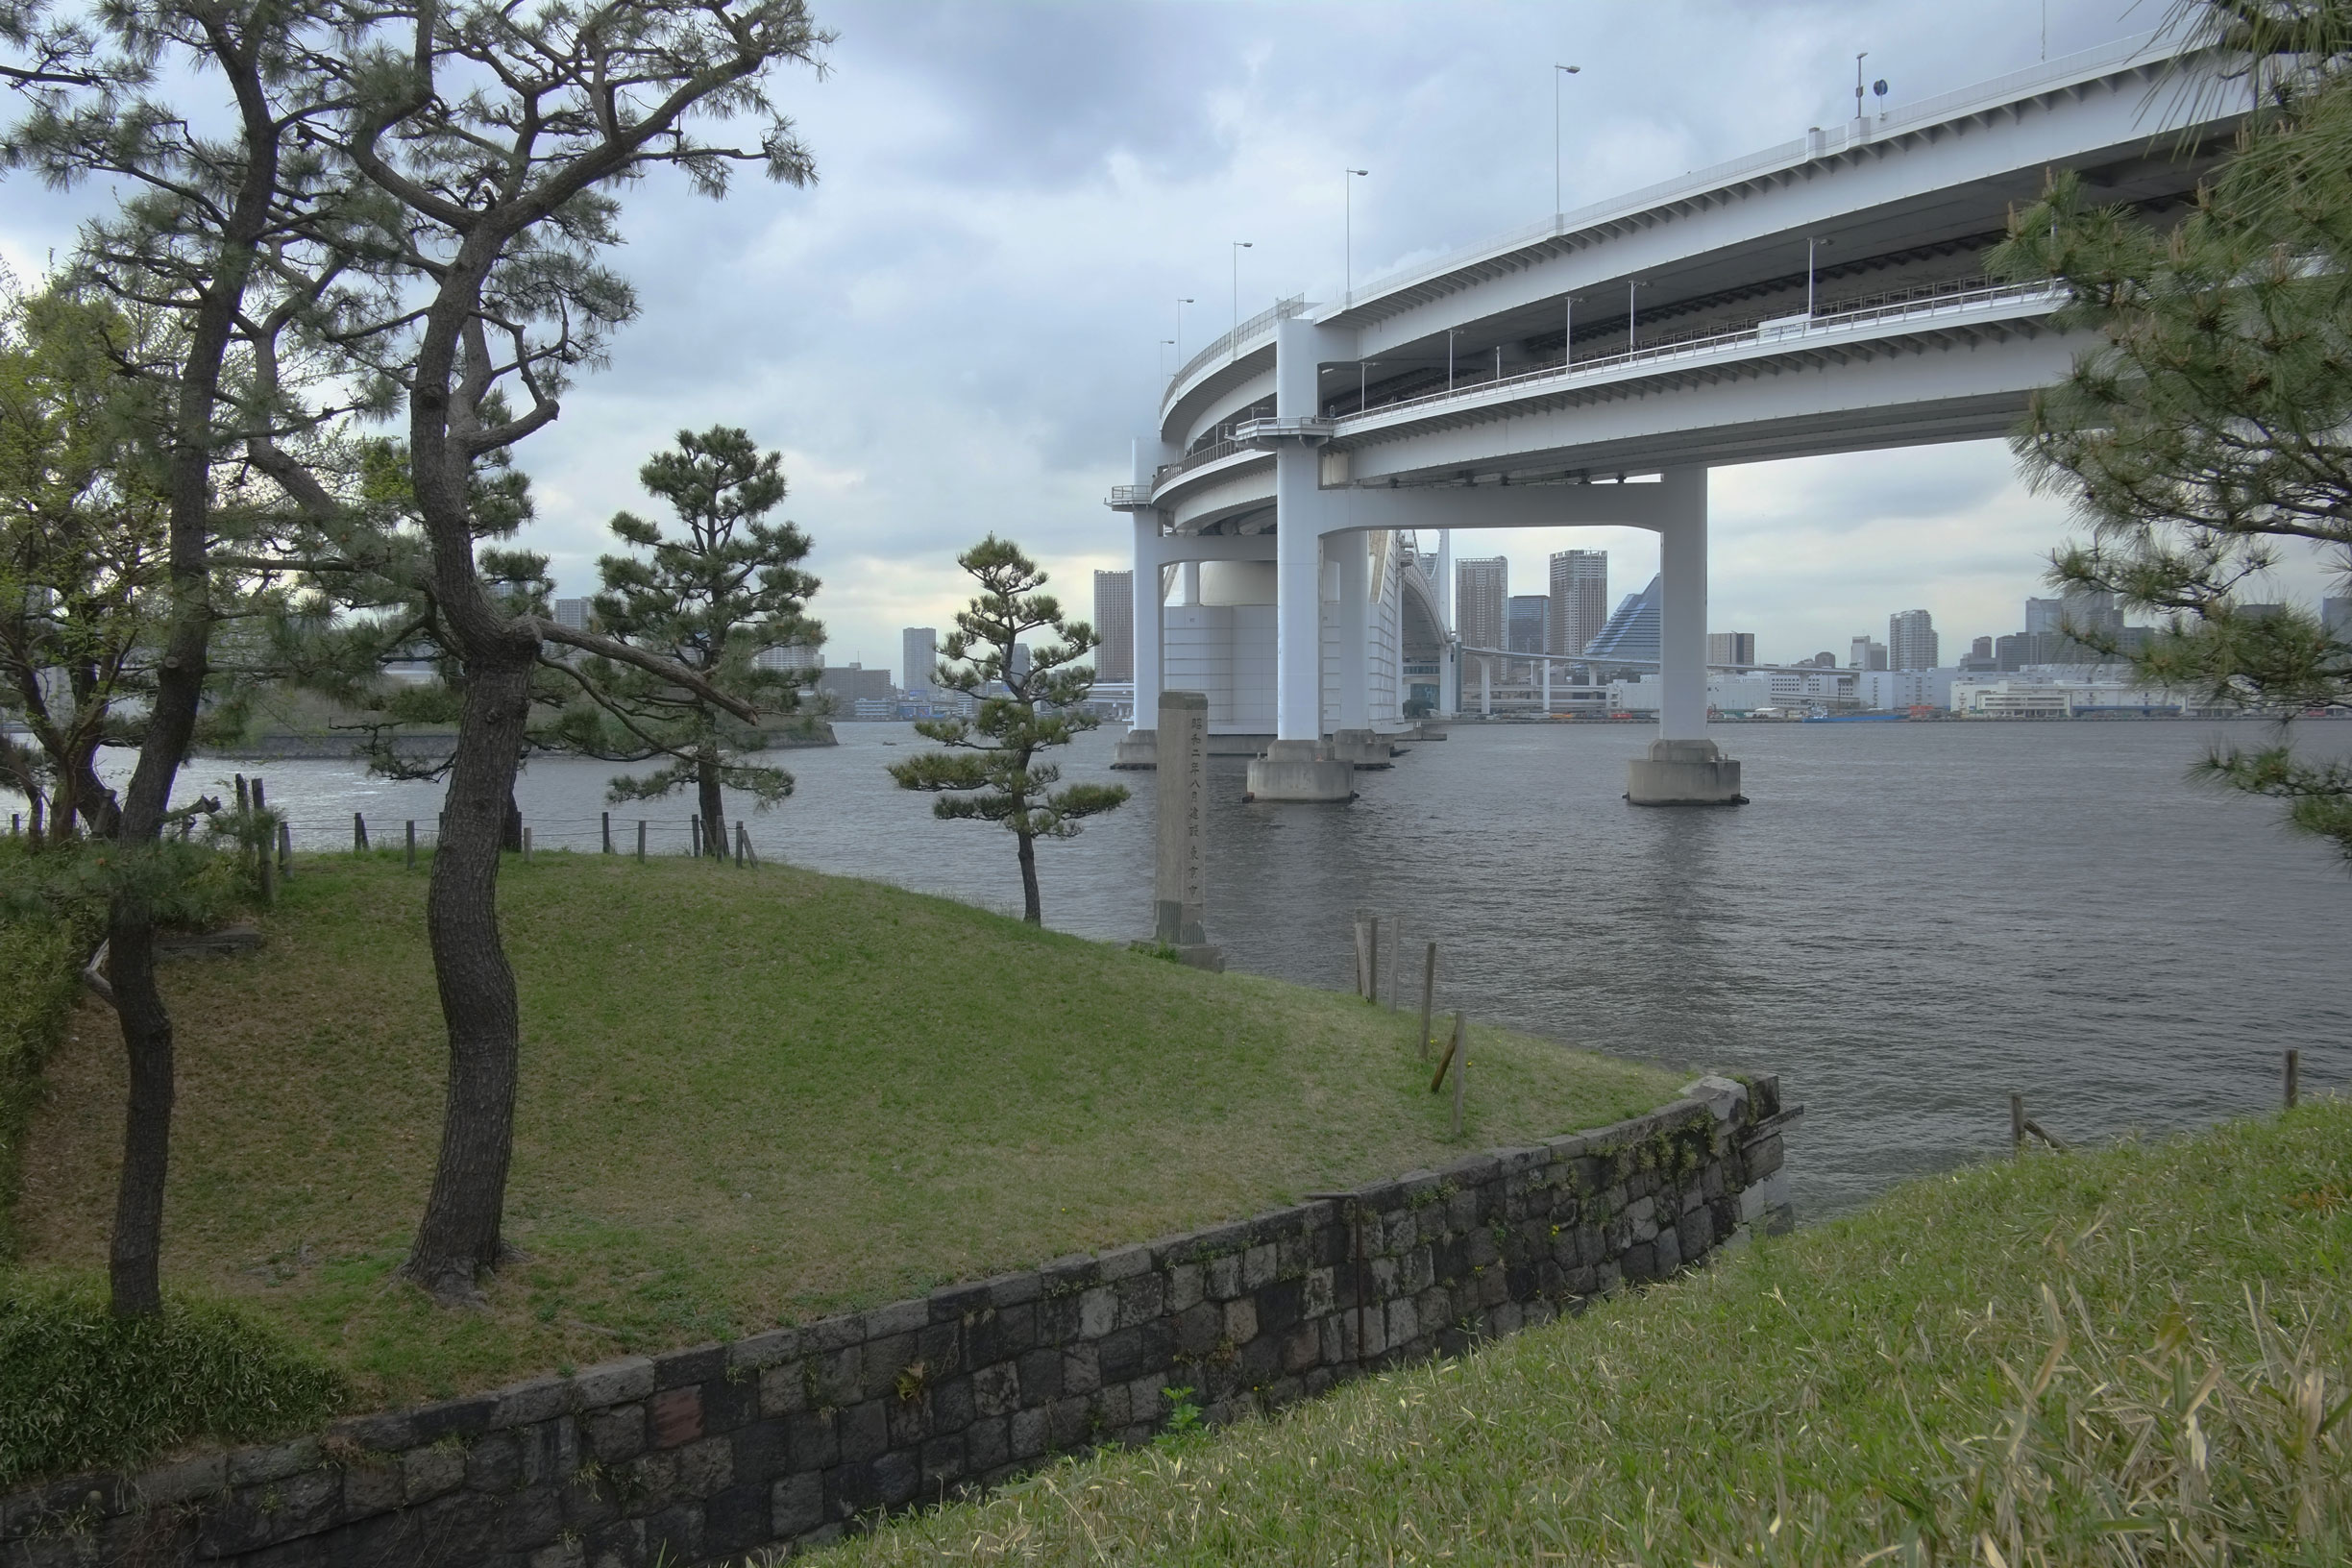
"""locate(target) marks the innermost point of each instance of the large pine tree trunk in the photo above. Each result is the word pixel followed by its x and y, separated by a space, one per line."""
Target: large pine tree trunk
pixel 459 1236
pixel 1033 910
pixel 710 803
pixel 135 1251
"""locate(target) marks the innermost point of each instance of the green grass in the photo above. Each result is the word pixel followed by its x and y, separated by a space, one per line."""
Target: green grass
pixel 38 954
pixel 2137 1356
pixel 80 1387
pixel 748 1097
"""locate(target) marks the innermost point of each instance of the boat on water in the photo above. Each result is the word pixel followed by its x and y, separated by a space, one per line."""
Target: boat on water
pixel 1874 718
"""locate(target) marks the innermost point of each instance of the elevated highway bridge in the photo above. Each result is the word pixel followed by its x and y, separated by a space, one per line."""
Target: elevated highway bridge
pixel 1823 295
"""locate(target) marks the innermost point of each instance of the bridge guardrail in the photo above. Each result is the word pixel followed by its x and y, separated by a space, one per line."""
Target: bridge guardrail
pixel 1895 306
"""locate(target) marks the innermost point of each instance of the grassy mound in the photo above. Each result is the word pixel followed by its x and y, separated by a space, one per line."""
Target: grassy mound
pixel 80 1389
pixel 2133 1356
pixel 748 1098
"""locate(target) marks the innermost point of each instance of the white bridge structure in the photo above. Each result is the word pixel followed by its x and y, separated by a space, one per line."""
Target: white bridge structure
pixel 1822 296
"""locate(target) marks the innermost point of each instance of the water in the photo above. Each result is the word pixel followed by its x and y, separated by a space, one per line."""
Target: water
pixel 1908 923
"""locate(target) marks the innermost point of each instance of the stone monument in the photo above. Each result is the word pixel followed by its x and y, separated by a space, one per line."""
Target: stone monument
pixel 1181 881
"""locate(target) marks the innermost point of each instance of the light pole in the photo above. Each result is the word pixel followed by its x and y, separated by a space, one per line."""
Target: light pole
pixel 1363 384
pixel 1557 71
pixel 1347 243
pixel 1632 284
pixel 1170 343
pixel 1858 60
pixel 1179 305
pixel 1238 246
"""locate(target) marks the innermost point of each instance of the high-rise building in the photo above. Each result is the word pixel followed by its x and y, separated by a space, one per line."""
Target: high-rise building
pixel 1481 586
pixel 918 657
pixel 1114 624
pixel 1981 659
pixel 2077 614
pixel 1867 656
pixel 1633 630
pixel 1529 615
pixel 1579 600
pixel 1020 661
pixel 1736 649
pixel 572 613
pixel 849 684
pixel 801 658
pixel 2336 615
pixel 1911 640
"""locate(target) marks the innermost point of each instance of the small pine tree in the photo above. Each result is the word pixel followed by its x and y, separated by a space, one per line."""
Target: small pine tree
pixel 990 771
pixel 715 597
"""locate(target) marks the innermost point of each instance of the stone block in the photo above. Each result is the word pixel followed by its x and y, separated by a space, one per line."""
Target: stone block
pixel 1221 1277
pixel 1123 1262
pixel 1142 1297
pixel 1258 1265
pixel 1242 1320
pixel 531 1519
pixel 896 1478
pixel 674 1535
pixel 494 1463
pixel 954 1302
pixel 812 1440
pixel 909 1421
pixel 621 1544
pixel 1069 1423
pixel 616 1435
pixel 251 1466
pixel 1666 1253
pixel 1040 1375
pixel 999 1334
pixel 1081 1369
pixel 896 1319
pixel 1016 1289
pixel 758 1352
pixel 951 1404
pixel 940 1347
pixel 865 1432
pixel 997 1390
pixel 1184 1287
pixel 828 1333
pixel 676 1368
pixel 988 1442
pixel 783 1389
pixel 1132 1353
pixel 763 1450
pixel 614 1382
pixel 796 1505
pixel 1198 1328
pixel 735 1520
pixel 431 1472
pixel 943 1463
pixel 1028 1432
pixel 525 1403
pixel 837 1377
pixel 884 1361
pixel 1097 1313
pixel 202 1476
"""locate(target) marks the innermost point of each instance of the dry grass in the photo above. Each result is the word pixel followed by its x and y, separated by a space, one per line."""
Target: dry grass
pixel 747 1098
pixel 2124 1360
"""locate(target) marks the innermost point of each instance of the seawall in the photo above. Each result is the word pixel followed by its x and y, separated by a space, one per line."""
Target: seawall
pixel 796 1435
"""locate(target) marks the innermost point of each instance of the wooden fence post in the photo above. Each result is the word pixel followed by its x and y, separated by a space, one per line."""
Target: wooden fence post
pixel 607 816
pixel 743 848
pixel 1429 996
pixel 411 848
pixel 1372 962
pixel 2294 1075
pixel 359 834
pixel 1396 958
pixel 694 837
pixel 641 831
pixel 527 847
pixel 285 851
pixel 2017 1122
pixel 1461 1065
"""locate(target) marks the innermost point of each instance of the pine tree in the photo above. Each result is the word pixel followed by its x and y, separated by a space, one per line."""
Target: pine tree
pixel 989 771
pixel 714 597
pixel 2207 436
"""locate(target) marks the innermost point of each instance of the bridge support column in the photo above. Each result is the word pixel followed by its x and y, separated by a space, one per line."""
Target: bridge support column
pixel 1140 747
pixel 1295 766
pixel 1352 740
pixel 1683 766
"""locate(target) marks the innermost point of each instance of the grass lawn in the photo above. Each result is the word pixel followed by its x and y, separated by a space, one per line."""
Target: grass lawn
pixel 748 1099
pixel 2136 1357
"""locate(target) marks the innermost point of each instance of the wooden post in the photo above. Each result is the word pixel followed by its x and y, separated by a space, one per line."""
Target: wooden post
pixel 285 851
pixel 1429 996
pixel 1396 976
pixel 1359 955
pixel 359 834
pixel 411 850
pixel 527 847
pixel 2017 1122
pixel 607 816
pixel 743 846
pixel 264 874
pixel 1372 965
pixel 640 831
pixel 2294 1076
pixel 1461 1065
pixel 16 825
pixel 245 802
pixel 694 837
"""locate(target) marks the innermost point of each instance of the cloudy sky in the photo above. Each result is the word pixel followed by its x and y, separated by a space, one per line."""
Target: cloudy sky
pixel 957 329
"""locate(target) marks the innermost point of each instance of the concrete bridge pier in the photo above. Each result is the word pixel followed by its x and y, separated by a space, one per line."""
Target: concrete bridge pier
pixel 1683 766
pixel 1140 747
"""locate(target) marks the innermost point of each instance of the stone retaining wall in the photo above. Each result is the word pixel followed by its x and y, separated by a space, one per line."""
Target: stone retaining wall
pixel 796 1435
